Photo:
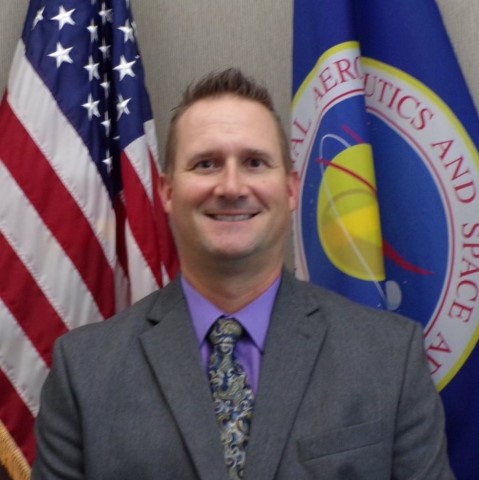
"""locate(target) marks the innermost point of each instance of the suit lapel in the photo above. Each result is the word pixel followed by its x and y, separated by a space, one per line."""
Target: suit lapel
pixel 292 346
pixel 172 351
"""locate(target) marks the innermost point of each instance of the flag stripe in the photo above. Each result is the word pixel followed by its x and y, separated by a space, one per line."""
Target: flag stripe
pixel 136 153
pixel 138 201
pixel 66 222
pixel 21 294
pixel 139 272
pixel 20 361
pixel 167 247
pixel 17 418
pixel 52 270
pixel 139 185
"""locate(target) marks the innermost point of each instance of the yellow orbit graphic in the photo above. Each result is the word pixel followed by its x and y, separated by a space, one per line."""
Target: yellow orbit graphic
pixel 348 214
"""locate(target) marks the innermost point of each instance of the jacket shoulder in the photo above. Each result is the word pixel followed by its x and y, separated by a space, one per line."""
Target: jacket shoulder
pixel 129 323
pixel 341 314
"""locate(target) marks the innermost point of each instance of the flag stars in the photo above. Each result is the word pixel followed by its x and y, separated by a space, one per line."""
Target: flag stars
pixel 64 18
pixel 107 124
pixel 61 54
pixel 92 69
pixel 108 161
pixel 91 107
pixel 38 17
pixel 105 13
pixel 106 86
pixel 105 49
pixel 128 32
pixel 93 29
pixel 125 68
pixel 122 106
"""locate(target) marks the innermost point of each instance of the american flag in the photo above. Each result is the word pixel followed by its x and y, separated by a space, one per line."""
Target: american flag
pixel 82 231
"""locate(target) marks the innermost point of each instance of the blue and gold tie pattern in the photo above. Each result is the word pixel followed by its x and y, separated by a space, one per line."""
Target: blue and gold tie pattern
pixel 232 396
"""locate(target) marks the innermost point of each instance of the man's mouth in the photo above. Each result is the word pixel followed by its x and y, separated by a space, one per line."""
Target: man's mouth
pixel 232 218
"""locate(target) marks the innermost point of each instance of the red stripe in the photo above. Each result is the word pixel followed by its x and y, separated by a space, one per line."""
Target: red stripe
pixel 27 303
pixel 168 252
pixel 57 208
pixel 121 251
pixel 17 418
pixel 140 216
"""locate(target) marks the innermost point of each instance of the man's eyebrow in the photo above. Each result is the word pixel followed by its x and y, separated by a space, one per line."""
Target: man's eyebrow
pixel 206 154
pixel 255 152
pixel 245 152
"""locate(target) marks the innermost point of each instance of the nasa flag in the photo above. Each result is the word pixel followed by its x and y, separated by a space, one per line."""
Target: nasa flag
pixel 385 135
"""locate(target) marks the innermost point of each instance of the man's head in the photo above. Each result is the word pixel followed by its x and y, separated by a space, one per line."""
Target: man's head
pixel 227 82
pixel 229 192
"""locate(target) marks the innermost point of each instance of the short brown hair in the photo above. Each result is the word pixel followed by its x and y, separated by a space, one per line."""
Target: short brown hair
pixel 226 82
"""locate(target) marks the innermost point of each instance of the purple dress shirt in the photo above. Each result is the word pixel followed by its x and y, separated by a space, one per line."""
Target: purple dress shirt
pixel 254 318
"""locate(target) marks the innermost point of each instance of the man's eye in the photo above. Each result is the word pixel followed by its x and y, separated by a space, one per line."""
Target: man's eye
pixel 204 165
pixel 254 162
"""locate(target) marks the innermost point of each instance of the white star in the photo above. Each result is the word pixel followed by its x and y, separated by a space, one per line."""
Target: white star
pixel 125 68
pixel 128 31
pixel 105 49
pixel 38 17
pixel 108 161
pixel 122 106
pixel 61 54
pixel 64 17
pixel 106 86
pixel 92 69
pixel 92 107
pixel 107 124
pixel 93 29
pixel 105 14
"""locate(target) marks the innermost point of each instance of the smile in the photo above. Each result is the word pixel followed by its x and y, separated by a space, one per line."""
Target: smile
pixel 232 218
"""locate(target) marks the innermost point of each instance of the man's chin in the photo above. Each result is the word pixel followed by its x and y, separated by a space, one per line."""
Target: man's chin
pixel 231 253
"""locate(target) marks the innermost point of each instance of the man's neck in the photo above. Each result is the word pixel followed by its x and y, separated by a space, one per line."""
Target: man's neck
pixel 231 290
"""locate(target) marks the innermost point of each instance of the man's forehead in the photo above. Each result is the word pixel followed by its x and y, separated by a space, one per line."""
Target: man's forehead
pixel 226 103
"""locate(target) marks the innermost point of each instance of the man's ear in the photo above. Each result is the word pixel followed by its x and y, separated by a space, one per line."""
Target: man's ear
pixel 293 187
pixel 164 189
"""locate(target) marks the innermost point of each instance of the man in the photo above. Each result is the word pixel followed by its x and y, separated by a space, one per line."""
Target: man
pixel 316 386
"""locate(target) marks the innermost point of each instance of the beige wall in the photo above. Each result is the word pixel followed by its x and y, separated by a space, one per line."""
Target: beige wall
pixel 182 39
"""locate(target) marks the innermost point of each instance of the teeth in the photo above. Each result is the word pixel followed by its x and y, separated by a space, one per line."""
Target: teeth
pixel 232 218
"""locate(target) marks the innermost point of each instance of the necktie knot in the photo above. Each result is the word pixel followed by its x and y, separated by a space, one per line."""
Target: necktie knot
pixel 225 331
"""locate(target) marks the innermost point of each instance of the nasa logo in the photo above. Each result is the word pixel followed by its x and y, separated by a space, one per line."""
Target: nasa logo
pixel 423 258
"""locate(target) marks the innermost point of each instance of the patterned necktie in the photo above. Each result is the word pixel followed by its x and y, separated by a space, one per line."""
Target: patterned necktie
pixel 232 396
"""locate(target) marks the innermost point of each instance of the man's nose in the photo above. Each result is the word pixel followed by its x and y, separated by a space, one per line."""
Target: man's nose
pixel 231 182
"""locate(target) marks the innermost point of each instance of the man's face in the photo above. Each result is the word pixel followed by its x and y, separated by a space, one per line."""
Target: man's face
pixel 228 194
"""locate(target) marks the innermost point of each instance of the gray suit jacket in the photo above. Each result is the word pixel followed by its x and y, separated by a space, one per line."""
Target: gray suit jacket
pixel 345 393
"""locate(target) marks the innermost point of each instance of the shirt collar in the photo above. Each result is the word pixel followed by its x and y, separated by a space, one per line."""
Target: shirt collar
pixel 254 317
